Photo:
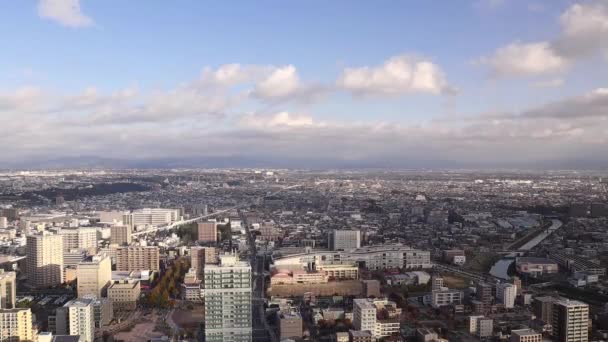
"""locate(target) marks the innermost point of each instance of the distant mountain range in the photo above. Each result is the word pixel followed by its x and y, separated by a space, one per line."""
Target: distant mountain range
pixel 93 162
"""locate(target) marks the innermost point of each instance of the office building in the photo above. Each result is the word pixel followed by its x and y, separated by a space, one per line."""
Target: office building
pixel 93 277
pixel 570 321
pixel 207 231
pixel 44 259
pixel 227 292
pixel 16 325
pixel 120 235
pixel 525 335
pixel 77 317
pixel 344 240
pixel 8 289
pixel 3 222
pixel 124 294
pixel 136 258
pixel 506 294
pixel 79 238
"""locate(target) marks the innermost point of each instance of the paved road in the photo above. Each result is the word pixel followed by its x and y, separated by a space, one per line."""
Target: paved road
pixel 261 329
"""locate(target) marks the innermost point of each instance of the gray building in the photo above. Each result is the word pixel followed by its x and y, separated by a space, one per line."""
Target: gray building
pixel 344 240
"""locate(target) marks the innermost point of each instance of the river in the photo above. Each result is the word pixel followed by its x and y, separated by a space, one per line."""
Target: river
pixel 501 267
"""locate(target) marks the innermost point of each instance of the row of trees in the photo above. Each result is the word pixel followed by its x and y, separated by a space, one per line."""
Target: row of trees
pixel 168 286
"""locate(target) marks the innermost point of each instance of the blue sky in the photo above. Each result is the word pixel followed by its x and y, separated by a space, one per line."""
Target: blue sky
pixel 481 58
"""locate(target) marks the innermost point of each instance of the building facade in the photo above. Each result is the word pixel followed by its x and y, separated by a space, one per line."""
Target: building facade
pixel 136 258
pixel 44 260
pixel 77 317
pixel 8 289
pixel 506 293
pixel 16 325
pixel 227 290
pixel 120 235
pixel 570 321
pixel 207 231
pixel 94 276
pixel 344 240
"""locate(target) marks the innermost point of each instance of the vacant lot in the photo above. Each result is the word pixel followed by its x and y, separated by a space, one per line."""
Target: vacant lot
pixel 455 282
pixel 189 319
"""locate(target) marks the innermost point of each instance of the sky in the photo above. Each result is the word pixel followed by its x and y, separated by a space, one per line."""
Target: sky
pixel 413 84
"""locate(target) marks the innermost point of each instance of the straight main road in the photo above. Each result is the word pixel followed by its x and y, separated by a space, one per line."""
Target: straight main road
pixel 261 329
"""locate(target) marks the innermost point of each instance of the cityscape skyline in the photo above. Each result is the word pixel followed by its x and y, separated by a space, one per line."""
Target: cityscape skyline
pixel 210 85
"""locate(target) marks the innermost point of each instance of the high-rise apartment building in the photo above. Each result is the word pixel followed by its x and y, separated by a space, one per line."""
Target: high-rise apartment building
pixel 137 258
pixel 506 294
pixel 44 259
pixel 77 317
pixel 16 325
pixel 8 289
pixel 227 291
pixel 207 231
pixel 199 256
pixel 79 238
pixel 484 295
pixel 344 240
pixel 364 315
pixel 543 308
pixel 120 235
pixel 570 321
pixel 94 276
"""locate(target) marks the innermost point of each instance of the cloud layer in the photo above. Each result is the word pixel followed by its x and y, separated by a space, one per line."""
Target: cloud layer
pixel 584 28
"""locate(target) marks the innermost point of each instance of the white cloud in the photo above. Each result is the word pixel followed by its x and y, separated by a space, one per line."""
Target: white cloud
pixel 281 82
pixel 281 120
pixel 519 58
pixel 398 75
pixel 64 12
pixel 584 28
